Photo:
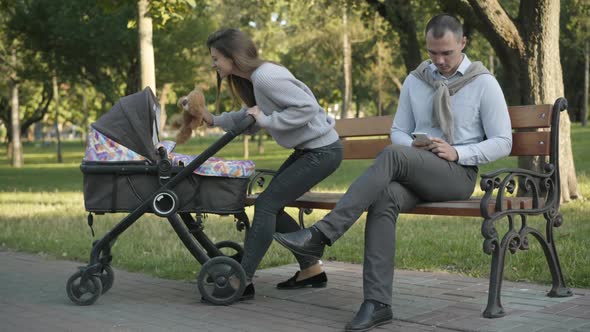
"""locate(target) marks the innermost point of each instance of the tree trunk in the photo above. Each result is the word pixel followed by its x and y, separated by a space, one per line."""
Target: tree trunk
pixel 380 78
pixel 501 32
pixel 146 46
pixel 16 148
pixel 542 82
pixel 246 147
pixel 56 123
pixel 357 109
pixel 535 69
pixel 85 123
pixel 400 16
pixel 166 88
pixel 86 115
pixel 586 83
pixel 347 53
pixel 261 134
pixel 567 169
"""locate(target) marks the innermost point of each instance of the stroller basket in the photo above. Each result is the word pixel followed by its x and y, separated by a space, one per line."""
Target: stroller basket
pixel 127 168
pixel 123 186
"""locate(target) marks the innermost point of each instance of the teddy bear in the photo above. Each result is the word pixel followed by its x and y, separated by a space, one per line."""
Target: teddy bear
pixel 193 106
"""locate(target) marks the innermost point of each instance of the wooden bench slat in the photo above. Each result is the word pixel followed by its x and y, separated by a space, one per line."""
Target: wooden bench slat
pixel 530 116
pixel 465 208
pixel 521 117
pixel 532 143
pixel 364 149
pixel 371 126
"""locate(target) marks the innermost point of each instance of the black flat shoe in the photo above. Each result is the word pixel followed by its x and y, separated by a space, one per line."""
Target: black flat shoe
pixel 371 314
pixel 317 281
pixel 248 294
pixel 301 242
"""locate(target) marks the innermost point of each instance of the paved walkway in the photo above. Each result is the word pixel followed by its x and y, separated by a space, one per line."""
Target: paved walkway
pixel 33 298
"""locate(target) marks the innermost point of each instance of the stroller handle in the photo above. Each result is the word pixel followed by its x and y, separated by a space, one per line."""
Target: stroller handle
pixel 211 150
pixel 244 124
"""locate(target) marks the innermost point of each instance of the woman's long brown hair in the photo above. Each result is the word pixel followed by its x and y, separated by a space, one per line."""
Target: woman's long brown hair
pixel 238 47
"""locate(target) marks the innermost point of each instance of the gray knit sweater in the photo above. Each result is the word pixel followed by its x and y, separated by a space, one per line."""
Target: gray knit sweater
pixel 291 113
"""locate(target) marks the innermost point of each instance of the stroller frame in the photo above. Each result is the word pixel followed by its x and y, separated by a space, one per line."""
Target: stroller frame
pixel 91 281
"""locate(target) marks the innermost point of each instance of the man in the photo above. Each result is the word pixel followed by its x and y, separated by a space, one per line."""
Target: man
pixel 461 107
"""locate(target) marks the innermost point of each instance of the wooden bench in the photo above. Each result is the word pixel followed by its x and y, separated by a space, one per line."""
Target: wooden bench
pixel 536 132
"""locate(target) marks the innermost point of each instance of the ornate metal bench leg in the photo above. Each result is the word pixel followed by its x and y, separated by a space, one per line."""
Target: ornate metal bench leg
pixel 494 307
pixel 493 246
pixel 302 213
pixel 559 288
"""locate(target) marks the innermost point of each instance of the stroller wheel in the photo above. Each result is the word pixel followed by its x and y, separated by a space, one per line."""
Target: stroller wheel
pixel 83 290
pixel 236 252
pixel 107 278
pixel 222 280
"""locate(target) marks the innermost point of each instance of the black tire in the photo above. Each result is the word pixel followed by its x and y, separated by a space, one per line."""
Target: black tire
pixel 107 278
pixel 214 280
pixel 83 291
pixel 238 250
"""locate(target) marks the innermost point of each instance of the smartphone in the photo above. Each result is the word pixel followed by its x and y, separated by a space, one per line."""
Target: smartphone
pixel 421 138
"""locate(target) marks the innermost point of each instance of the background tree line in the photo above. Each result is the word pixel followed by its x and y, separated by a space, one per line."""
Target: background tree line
pixel 68 61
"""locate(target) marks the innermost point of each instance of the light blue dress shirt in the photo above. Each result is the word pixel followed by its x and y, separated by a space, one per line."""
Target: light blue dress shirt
pixel 483 132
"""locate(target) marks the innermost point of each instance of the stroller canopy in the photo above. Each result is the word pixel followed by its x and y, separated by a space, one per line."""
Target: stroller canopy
pixel 133 122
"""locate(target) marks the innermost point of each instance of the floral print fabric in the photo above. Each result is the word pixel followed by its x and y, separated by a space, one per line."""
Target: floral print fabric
pixel 102 148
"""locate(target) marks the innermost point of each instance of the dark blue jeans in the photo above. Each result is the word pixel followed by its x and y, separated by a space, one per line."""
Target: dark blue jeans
pixel 297 175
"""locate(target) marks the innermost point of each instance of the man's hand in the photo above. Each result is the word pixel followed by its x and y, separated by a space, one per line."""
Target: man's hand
pixel 443 149
pixel 254 111
pixel 420 144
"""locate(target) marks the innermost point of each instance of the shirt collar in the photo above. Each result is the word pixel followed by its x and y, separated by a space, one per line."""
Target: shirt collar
pixel 465 63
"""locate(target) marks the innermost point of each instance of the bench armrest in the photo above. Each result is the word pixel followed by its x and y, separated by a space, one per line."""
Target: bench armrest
pixel 259 178
pixel 539 187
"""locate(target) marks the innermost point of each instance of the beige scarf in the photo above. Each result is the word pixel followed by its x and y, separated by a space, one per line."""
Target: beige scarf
pixel 441 115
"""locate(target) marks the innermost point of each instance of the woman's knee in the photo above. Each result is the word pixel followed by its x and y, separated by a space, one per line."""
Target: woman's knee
pixel 267 204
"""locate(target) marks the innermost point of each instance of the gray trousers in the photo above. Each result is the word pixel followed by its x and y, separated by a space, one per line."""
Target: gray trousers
pixel 400 178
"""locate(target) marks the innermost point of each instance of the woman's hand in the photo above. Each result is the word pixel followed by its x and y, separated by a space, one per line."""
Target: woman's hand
pixel 254 111
pixel 443 149
pixel 207 117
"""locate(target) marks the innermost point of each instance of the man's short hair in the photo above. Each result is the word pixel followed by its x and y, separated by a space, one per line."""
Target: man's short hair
pixel 442 23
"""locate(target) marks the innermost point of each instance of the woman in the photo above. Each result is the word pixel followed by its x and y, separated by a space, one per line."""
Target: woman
pixel 290 113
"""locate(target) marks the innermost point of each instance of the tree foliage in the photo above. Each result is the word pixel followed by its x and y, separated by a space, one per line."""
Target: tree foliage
pixel 92 47
pixel 575 35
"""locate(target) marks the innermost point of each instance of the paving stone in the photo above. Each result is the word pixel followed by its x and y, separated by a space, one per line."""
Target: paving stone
pixel 33 298
pixel 584 328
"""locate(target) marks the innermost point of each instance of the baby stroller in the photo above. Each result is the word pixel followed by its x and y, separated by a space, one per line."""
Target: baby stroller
pixel 127 169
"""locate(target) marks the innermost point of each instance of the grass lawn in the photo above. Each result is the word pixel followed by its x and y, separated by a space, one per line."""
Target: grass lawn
pixel 42 211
